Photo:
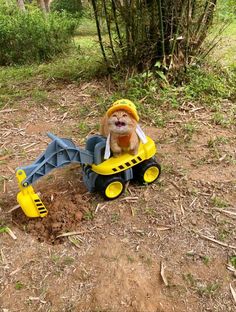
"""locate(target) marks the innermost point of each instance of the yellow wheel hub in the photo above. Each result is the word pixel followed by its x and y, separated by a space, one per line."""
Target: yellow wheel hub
pixel 114 189
pixel 151 174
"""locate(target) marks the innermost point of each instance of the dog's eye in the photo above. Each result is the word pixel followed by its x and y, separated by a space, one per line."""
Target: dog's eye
pixel 124 115
pixel 114 115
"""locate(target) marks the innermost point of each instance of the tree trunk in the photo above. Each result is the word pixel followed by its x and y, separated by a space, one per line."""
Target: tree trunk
pixel 21 5
pixel 42 5
pixel 47 5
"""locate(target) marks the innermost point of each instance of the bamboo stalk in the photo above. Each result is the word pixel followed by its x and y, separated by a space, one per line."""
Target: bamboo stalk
pixel 162 31
pixel 187 35
pixel 205 22
pixel 116 23
pixel 109 28
pixel 99 30
pixel 127 30
pixel 176 34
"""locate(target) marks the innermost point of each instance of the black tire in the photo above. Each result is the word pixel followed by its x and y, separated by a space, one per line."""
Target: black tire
pixel 147 172
pixel 110 187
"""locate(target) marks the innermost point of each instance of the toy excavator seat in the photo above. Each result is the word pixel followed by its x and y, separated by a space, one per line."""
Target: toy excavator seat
pixel 96 145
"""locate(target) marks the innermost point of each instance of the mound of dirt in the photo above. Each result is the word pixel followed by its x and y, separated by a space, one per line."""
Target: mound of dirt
pixel 67 208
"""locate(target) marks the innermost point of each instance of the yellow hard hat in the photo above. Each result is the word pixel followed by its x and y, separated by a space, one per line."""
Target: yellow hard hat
pixel 126 105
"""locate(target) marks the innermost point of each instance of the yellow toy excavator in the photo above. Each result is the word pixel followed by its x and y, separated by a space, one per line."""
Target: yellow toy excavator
pixel 107 176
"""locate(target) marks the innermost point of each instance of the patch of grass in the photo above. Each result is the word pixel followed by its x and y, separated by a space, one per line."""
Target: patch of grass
pixel 84 61
pixel 88 215
pixel 67 260
pixel 19 285
pixel 55 258
pixel 130 259
pixel 167 168
pixel 209 289
pixel 232 260
pixel 190 279
pixel 87 27
pixel 207 84
pixel 202 288
pixel 219 140
pixel 9 94
pixel 150 211
pixel 189 128
pixel 3 229
pixel 74 67
pixel 206 260
pixel 39 95
pixel 219 119
pixel 219 202
pixel 83 128
pixel 223 234
pixel 115 217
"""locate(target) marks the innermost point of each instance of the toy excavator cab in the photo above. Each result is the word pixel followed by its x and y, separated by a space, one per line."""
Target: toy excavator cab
pixel 96 145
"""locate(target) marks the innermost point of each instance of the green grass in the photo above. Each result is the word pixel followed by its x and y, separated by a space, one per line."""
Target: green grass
pixel 217 141
pixel 19 285
pixel 233 261
pixel 156 100
pixel 87 27
pixel 219 202
pixel 225 52
pixel 83 62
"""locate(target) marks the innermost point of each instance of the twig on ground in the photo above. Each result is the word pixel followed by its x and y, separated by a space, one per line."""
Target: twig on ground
pixel 5 157
pixel 126 186
pixel 163 274
pixel 132 211
pixel 225 211
pixel 232 269
pixel 163 228
pixel 7 230
pixel 4 186
pixel 130 199
pixel 233 292
pixel 11 170
pixel 215 241
pixel 175 185
pixel 72 233
pixel 193 202
pixel 73 241
pixel 13 208
pixel 4 259
pixel 182 210
pixel 8 110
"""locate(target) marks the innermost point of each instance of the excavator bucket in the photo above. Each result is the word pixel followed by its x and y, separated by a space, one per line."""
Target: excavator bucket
pixel 29 201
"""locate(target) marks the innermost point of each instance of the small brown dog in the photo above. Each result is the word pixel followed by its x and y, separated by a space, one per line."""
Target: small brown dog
pixel 119 125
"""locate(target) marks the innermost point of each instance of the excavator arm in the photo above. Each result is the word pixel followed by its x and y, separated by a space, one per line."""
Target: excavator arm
pixel 59 153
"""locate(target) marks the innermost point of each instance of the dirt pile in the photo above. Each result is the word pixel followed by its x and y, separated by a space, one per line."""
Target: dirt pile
pixel 67 208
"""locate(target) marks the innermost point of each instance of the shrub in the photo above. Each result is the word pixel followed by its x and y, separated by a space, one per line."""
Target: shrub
pixel 32 36
pixel 73 7
pixel 140 33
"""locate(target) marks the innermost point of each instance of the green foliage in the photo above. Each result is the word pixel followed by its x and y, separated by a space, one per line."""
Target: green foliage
pixel 140 33
pixel 219 202
pixel 32 36
pixel 73 7
pixel 19 285
pixel 209 84
pixel 226 10
pixel 233 261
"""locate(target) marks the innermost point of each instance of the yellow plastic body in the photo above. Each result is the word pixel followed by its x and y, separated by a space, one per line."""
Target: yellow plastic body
pixel 29 201
pixel 125 161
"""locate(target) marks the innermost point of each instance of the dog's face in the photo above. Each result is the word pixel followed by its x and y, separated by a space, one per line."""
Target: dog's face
pixel 121 122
